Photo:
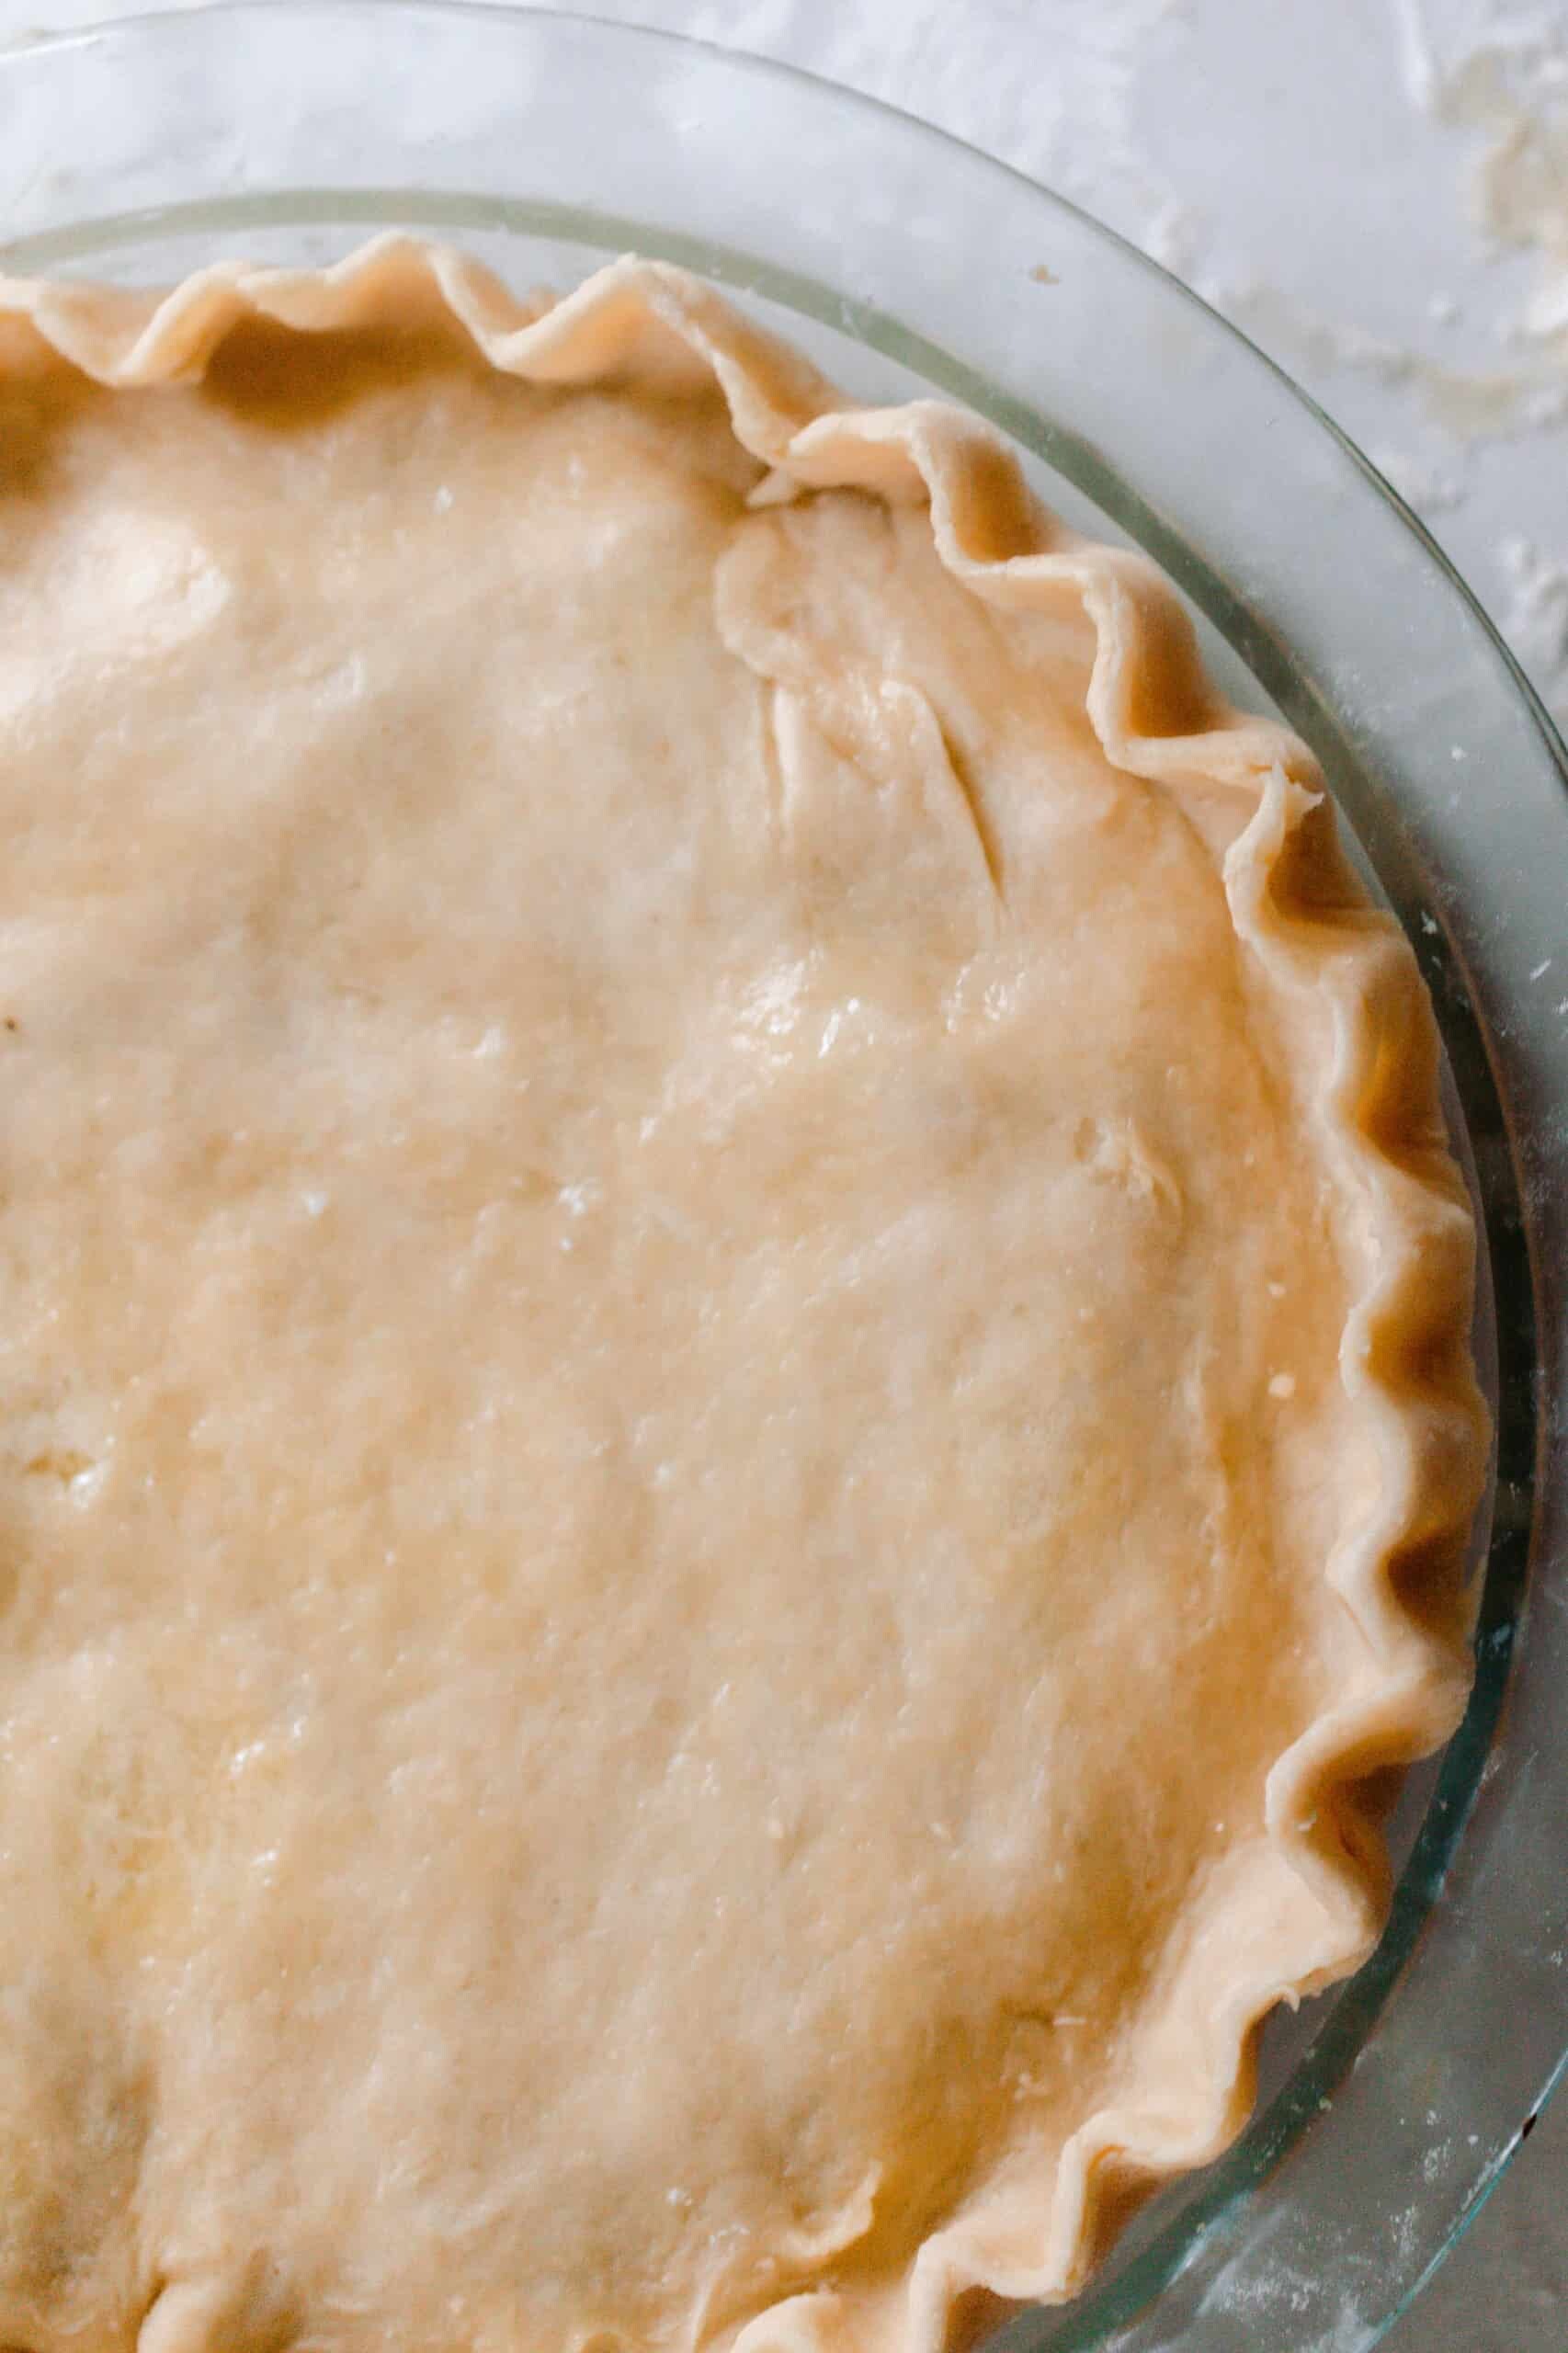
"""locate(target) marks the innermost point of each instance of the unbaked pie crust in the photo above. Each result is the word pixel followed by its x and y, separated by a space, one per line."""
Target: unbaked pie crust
pixel 734 1335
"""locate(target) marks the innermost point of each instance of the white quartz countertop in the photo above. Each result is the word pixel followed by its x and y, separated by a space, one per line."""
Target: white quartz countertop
pixel 1377 191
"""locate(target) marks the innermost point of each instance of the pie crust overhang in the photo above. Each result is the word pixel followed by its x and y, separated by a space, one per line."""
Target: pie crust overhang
pixel 738 1341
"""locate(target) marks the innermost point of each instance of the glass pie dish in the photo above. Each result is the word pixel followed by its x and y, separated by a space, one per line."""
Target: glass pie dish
pixel 292 130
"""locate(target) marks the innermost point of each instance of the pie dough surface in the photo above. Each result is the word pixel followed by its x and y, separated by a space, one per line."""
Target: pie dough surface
pixel 733 1342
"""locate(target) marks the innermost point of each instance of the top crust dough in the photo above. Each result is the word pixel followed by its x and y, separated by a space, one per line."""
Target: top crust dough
pixel 734 1338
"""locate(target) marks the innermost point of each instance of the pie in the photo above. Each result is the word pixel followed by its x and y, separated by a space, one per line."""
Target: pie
pixel 737 1405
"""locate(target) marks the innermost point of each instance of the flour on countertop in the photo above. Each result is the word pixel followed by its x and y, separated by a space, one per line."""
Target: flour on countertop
pixel 1535 618
pixel 1427 488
